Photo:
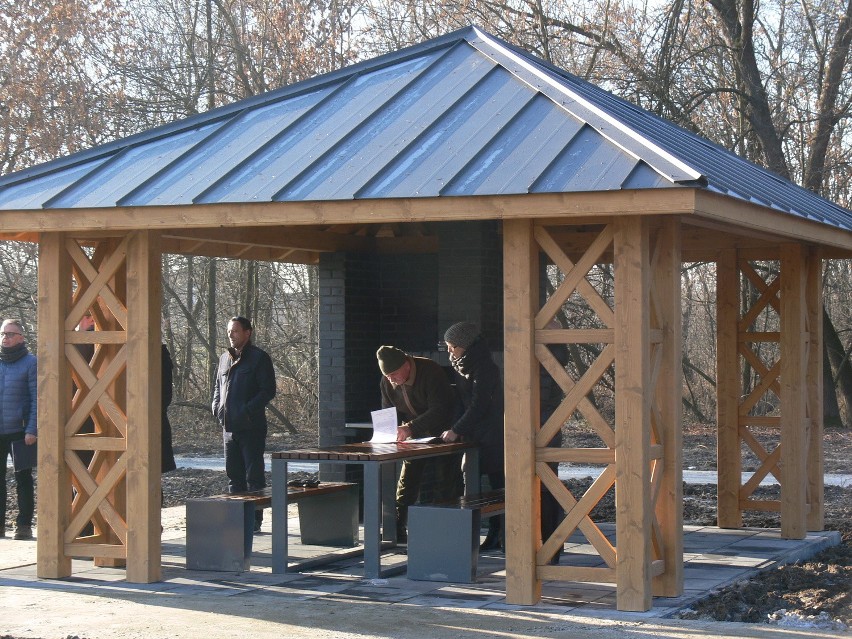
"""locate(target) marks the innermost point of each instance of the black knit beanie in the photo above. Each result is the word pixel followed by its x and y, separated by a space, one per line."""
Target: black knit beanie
pixel 462 334
pixel 390 359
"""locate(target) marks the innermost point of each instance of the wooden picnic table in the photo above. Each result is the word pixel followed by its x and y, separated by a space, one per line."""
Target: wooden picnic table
pixel 379 462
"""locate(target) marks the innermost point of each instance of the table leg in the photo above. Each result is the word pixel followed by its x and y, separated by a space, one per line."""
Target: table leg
pixel 280 534
pixel 471 472
pixel 372 521
pixel 388 480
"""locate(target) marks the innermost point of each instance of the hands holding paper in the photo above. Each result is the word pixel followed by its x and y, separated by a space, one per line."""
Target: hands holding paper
pixel 449 436
pixel 403 433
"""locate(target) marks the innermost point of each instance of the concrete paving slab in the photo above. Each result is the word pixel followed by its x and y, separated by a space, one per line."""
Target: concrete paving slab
pixel 336 602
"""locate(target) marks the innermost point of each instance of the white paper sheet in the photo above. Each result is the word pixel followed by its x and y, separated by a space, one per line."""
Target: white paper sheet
pixel 384 425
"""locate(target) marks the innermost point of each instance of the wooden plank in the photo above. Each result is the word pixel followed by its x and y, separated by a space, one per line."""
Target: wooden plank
pixel 669 504
pixel 522 412
pixel 386 210
pixel 54 385
pixel 698 203
pixel 632 415
pixel 144 400
pixel 108 290
pixel 767 506
pixel 576 455
pixel 577 573
pixel 728 458
pixel 794 369
pixel 815 413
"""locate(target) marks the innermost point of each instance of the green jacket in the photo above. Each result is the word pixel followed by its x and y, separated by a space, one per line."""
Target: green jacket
pixel 429 394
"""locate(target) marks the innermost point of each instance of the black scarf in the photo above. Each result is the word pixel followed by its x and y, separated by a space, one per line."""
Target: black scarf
pixel 473 357
pixel 13 353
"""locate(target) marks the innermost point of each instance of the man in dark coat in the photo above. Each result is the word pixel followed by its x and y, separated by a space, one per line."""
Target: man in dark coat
pixel 425 405
pixel 168 454
pixel 478 381
pixel 245 384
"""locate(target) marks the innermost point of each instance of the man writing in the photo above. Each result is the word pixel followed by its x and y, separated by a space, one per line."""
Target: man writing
pixel 245 384
pixel 18 418
pixel 425 404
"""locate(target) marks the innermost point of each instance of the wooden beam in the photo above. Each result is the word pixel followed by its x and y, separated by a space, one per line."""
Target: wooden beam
pixel 280 237
pixel 144 401
pixel 54 389
pixel 794 393
pixel 668 399
pixel 816 412
pixel 377 211
pixel 237 251
pixel 564 206
pixel 748 216
pixel 522 412
pixel 728 456
pixel 632 415
pixel 109 288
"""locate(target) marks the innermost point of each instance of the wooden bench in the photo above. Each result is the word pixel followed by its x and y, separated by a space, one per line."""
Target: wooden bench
pixel 443 538
pixel 220 529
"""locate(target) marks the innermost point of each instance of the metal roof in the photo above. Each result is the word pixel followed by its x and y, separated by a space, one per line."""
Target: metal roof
pixel 464 114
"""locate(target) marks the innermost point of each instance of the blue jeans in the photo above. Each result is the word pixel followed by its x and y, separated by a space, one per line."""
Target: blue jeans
pixel 23 481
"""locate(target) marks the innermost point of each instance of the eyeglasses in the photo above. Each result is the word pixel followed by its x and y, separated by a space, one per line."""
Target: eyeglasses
pixel 5 334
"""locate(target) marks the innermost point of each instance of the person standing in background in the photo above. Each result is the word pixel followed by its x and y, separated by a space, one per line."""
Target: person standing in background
pixel 168 454
pixel 245 384
pixel 481 389
pixel 18 418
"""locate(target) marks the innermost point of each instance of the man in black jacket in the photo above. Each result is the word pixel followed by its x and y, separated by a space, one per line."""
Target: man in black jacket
pixel 245 384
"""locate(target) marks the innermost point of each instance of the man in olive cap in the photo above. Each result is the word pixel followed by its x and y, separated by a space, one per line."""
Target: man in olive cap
pixel 425 405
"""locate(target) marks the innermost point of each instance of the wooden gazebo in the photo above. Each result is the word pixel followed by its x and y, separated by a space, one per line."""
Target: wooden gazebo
pixel 460 129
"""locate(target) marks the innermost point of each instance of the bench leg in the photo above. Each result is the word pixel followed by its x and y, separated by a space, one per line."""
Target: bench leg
pixel 219 535
pixel 330 520
pixel 445 561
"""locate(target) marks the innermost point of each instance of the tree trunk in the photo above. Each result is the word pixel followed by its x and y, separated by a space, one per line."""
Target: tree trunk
pixel 841 368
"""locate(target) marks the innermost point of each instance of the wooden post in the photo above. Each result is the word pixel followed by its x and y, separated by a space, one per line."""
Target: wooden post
pixel 520 296
pixel 816 459
pixel 632 417
pixel 669 507
pixel 112 251
pixel 54 389
pixel 143 408
pixel 794 370
pixel 728 456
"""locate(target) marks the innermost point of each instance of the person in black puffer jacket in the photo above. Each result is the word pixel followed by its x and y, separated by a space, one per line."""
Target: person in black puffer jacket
pixel 478 381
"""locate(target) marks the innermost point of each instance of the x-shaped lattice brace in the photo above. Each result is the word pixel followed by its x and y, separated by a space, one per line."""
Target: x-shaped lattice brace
pixel 576 399
pixel 95 382
pixel 769 375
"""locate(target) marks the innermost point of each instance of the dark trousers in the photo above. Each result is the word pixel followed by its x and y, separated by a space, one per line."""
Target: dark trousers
pixel 244 463
pixel 447 484
pixel 23 481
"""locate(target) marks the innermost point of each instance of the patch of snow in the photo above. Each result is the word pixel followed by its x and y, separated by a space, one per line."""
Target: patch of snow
pixel 822 621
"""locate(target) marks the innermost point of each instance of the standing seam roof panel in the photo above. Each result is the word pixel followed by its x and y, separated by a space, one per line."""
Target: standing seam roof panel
pixel 502 166
pixel 436 147
pixel 358 157
pixel 106 185
pixel 33 193
pixel 272 168
pixel 201 166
